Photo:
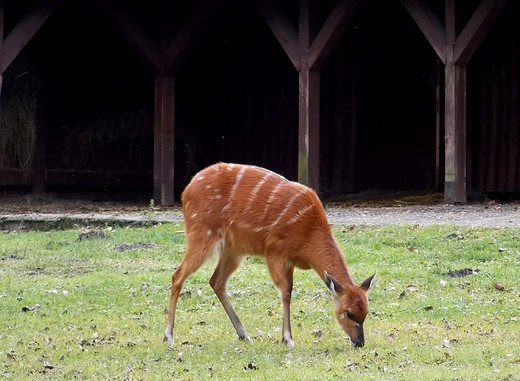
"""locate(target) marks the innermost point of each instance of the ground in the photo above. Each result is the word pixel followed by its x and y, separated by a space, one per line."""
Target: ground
pixel 391 208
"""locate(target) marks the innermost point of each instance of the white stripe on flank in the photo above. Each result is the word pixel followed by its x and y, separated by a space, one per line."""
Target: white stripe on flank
pixel 234 188
pixel 299 213
pixel 254 192
pixel 270 199
pixel 273 192
pixel 287 207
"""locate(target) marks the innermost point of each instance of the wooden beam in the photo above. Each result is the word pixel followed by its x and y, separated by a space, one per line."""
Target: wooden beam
pixel 281 26
pixel 429 24
pixel 16 177
pixel 308 55
pixel 145 48
pixel 25 30
pixel 476 29
pixel 454 116
pixel 164 115
pixel 309 129
pixel 2 18
pixel 309 107
pixel 190 34
pixel 331 32
pixel 455 134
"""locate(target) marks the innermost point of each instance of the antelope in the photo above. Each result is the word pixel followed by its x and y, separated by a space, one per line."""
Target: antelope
pixel 238 210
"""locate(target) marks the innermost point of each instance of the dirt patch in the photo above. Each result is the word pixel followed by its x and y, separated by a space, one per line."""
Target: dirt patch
pixel 96 234
pixel 134 246
pixel 461 273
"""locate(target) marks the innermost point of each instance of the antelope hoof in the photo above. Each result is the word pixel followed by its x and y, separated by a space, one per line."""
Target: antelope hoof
pixel 244 338
pixel 289 343
pixel 168 339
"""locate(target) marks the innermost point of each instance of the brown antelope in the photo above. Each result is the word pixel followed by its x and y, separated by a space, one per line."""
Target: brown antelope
pixel 238 210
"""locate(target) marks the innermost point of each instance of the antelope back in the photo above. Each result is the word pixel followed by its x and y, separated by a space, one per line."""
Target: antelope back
pixel 250 202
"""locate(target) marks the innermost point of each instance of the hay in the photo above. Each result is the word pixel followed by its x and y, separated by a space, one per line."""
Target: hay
pixel 89 141
pixel 18 114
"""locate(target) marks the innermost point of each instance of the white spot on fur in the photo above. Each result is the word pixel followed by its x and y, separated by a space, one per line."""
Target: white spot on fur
pixel 209 232
pixel 218 196
pixel 193 216
pixel 244 225
pixel 200 178
pixel 219 245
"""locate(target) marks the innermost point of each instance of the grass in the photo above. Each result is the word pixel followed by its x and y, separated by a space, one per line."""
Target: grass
pixel 91 309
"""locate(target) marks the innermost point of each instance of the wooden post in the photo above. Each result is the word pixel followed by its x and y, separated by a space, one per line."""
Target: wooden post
pixel 454 50
pixel 164 61
pixel 164 121
pixel 309 128
pixel 309 105
pixel 1 48
pixel 308 52
pixel 455 134
pixel 454 116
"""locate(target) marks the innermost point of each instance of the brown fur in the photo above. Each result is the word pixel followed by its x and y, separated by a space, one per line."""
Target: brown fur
pixel 239 210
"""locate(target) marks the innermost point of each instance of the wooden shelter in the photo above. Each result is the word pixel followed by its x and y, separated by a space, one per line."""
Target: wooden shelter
pixel 290 75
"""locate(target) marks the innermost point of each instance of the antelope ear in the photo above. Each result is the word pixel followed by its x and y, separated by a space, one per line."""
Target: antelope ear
pixel 332 284
pixel 368 283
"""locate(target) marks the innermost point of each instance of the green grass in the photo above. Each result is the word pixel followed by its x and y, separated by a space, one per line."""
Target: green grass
pixel 101 311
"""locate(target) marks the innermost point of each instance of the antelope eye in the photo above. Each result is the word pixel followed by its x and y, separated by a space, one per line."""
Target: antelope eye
pixel 350 315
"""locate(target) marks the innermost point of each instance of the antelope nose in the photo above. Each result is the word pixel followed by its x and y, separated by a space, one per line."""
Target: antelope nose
pixel 358 344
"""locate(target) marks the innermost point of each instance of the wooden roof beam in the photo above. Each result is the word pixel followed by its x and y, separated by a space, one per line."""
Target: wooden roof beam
pixel 331 32
pixel 476 29
pixel 2 18
pixel 161 62
pixel 429 24
pixel 190 34
pixel 145 48
pixel 281 26
pixel 25 30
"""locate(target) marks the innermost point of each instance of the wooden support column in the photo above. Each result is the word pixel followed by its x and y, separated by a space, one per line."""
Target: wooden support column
pixel 1 49
pixel 455 133
pixel 309 128
pixel 308 53
pixel 454 50
pixel 309 106
pixel 454 116
pixel 164 121
pixel 164 62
